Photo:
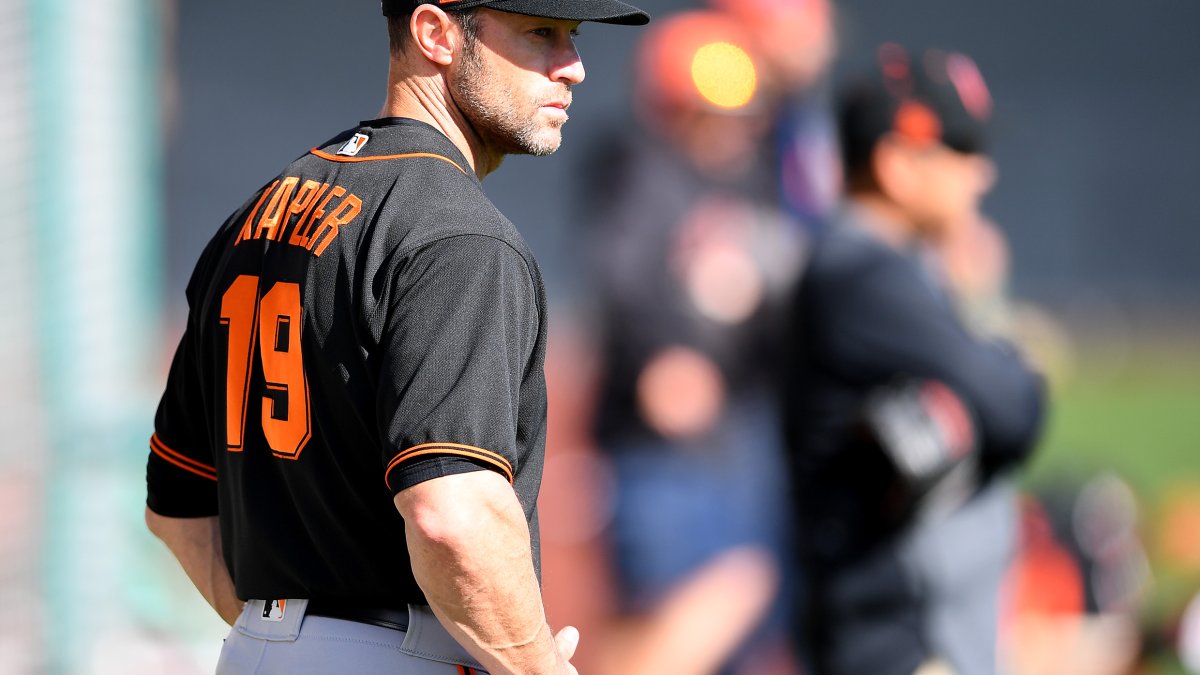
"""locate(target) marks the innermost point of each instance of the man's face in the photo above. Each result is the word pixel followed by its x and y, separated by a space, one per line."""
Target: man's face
pixel 950 187
pixel 514 82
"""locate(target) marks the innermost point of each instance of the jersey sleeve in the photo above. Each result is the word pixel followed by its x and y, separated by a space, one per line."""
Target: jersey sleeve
pixel 181 479
pixel 882 321
pixel 457 344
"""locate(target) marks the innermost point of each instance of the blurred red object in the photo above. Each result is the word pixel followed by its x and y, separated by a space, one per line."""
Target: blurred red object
pixel 698 60
pixel 796 38
pixel 1179 537
pixel 1045 578
pixel 1045 627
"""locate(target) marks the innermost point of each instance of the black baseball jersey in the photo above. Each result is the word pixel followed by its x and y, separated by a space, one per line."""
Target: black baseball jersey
pixel 866 315
pixel 366 321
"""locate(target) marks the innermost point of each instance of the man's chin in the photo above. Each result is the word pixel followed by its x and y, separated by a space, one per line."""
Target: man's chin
pixel 544 144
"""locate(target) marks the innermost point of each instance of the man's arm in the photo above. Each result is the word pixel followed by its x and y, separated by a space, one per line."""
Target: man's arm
pixel 196 544
pixel 470 550
pixel 881 322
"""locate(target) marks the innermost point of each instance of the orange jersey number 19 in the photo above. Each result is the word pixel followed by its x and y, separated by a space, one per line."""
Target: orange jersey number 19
pixel 273 322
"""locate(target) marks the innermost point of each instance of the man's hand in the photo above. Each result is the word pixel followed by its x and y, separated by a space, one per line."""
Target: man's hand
pixel 566 641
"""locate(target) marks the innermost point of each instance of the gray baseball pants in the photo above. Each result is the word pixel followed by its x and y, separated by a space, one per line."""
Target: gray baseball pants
pixel 958 565
pixel 266 640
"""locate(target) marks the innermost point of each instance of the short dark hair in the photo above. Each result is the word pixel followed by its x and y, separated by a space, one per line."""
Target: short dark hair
pixel 399 37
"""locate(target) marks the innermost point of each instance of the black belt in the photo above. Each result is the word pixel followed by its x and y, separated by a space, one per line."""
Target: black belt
pixel 384 617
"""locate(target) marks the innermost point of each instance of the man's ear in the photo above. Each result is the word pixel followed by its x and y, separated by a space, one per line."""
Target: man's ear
pixel 435 33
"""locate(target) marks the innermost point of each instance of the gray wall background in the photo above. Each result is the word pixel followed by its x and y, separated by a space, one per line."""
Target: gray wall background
pixel 1097 105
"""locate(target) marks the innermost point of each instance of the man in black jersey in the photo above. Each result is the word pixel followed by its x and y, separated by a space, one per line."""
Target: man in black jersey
pixel 902 422
pixel 347 457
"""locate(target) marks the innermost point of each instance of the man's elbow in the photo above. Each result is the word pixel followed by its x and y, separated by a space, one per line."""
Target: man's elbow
pixel 1015 433
pixel 442 524
pixel 457 517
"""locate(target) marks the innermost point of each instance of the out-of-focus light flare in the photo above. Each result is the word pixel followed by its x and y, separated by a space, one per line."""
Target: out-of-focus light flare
pixel 724 75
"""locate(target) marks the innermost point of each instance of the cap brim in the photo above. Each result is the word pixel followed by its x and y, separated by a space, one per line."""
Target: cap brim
pixel 600 11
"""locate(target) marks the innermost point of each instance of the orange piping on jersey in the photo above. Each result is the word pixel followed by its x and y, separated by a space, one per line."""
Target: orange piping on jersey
pixel 338 158
pixel 155 440
pixel 468 451
pixel 458 446
pixel 445 451
pixel 180 460
pixel 448 451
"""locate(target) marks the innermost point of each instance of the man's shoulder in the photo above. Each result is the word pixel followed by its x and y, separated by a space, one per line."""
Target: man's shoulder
pixel 846 254
pixel 464 217
pixel 421 187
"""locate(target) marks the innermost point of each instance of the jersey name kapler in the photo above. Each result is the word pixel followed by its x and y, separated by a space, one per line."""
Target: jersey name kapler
pixel 316 213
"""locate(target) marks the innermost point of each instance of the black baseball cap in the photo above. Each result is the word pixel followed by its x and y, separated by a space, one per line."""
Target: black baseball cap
pixel 602 11
pixel 939 97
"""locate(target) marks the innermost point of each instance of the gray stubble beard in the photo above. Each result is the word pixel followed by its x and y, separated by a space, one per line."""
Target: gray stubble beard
pixel 497 121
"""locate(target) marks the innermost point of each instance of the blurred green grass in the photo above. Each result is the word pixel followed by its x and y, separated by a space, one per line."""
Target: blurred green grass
pixel 1133 410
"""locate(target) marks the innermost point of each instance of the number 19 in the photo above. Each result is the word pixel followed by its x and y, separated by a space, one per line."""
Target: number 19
pixel 272 322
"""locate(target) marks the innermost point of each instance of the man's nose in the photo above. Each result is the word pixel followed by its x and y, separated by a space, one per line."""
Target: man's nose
pixel 569 67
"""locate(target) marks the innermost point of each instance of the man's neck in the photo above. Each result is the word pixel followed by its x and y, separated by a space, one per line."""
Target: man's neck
pixel 885 220
pixel 427 99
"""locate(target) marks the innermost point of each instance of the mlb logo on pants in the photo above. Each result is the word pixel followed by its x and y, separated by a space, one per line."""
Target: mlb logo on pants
pixel 273 610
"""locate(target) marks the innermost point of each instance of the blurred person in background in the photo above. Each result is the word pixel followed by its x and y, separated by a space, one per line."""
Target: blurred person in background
pixel 690 263
pixel 797 41
pixel 903 424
